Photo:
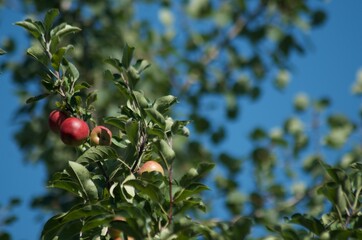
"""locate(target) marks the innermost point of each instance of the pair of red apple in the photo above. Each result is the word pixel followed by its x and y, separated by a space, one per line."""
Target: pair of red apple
pixel 74 131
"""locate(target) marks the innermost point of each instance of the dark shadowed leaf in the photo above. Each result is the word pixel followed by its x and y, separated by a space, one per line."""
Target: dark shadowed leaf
pixel 127 56
pixel 312 224
pixel 132 128
pixel 37 98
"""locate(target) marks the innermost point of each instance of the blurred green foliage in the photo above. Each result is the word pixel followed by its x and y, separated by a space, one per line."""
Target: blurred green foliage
pixel 200 49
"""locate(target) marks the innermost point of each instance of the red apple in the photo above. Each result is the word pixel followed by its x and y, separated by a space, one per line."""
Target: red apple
pixel 74 131
pixel 151 166
pixel 101 135
pixel 55 119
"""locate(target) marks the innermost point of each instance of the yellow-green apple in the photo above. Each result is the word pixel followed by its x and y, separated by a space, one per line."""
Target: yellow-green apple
pixel 151 166
pixel 101 135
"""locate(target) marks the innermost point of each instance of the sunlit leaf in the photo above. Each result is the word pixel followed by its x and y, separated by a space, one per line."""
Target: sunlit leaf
pixel 165 150
pixel 34 28
pixel 49 18
pixel 98 153
pixel 155 116
pixel 83 177
pixel 164 103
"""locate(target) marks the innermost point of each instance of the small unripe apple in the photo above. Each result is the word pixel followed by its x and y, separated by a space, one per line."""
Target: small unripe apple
pixel 74 131
pixel 115 233
pixel 55 119
pixel 101 135
pixel 151 166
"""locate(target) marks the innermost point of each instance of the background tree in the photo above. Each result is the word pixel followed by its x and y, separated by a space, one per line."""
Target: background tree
pixel 221 54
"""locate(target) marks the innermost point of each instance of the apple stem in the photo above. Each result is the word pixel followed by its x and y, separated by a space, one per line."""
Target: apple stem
pixel 141 148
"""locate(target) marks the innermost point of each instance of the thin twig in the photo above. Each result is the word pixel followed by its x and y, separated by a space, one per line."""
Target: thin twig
pixel 170 211
pixel 234 31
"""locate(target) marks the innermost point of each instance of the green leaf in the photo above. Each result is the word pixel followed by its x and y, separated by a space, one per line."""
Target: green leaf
pixel 91 97
pixel 156 131
pixel 68 225
pixel 146 189
pixel 337 174
pixel 164 103
pixel 133 76
pixel 82 211
pixel 141 100
pixel 257 134
pixel 196 174
pixel 191 203
pixel 94 223
pixel 82 176
pixel 128 191
pixel 165 150
pixel 38 54
pixel 59 55
pixel 322 104
pixel 37 98
pixel 49 18
pixel 55 229
pixel 141 65
pixel 318 17
pixel 34 28
pixel 114 62
pixel 48 83
pixel 311 223
pixel 191 190
pixel 98 153
pixel 329 191
pixel 156 116
pixel 66 185
pixel 62 180
pixel 62 30
pixel 118 122
pixel 70 70
pixel 132 128
pixel 127 56
pixel 80 86
pixel 179 128
pixel 241 227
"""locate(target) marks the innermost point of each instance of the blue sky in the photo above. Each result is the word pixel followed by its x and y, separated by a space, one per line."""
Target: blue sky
pixel 328 69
